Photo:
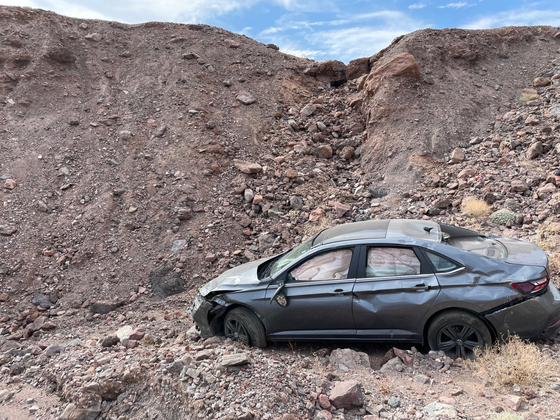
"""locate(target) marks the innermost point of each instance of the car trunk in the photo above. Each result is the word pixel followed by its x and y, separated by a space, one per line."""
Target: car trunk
pixel 514 251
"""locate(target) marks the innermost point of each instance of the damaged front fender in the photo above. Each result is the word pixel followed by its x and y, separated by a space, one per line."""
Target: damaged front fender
pixel 206 312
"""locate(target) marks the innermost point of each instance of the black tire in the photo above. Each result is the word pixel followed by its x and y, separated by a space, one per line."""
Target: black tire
pixel 240 324
pixel 458 333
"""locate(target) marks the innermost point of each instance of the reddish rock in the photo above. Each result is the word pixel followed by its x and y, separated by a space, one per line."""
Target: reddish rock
pixel 341 209
pixel 443 203
pixel 457 155
pixel 512 401
pixel 347 152
pixel 330 71
pixel 137 334
pixel 548 189
pixel 4 297
pixel 519 185
pixel 308 110
pixel 324 151
pixel 530 120
pixel 318 137
pixel 48 326
pixel 10 184
pixel 535 150
pixel 541 81
pixel 466 173
pixel 355 128
pixel 231 43
pixel 316 214
pixel 291 174
pixel 247 167
pixel 324 401
pixel 357 68
pixel 245 222
pixel 347 394
pixel 246 98
pixel 402 65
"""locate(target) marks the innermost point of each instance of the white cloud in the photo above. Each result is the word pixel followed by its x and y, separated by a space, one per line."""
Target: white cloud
pixel 20 3
pixel 313 54
pixel 458 5
pixel 420 5
pixel 75 10
pixel 356 42
pixel 308 5
pixel 136 11
pixel 316 39
pixel 519 17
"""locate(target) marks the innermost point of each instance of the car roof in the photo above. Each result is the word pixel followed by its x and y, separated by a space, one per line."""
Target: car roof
pixel 380 229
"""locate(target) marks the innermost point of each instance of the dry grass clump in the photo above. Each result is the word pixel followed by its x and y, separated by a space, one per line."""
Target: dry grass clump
pixel 311 229
pixel 548 235
pixel 475 208
pixel 514 361
pixel 548 238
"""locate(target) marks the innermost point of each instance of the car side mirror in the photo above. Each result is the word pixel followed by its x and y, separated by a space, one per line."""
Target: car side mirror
pixel 278 296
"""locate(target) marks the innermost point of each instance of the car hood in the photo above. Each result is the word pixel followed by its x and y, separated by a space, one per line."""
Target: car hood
pixel 237 278
pixel 523 252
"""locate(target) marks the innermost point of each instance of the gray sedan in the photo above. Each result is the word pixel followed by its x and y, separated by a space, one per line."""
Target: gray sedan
pixel 411 281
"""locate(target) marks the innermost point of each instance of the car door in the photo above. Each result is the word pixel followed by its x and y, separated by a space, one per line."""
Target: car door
pixel 394 290
pixel 313 298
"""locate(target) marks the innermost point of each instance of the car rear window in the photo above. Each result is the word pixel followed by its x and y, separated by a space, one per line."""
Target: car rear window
pixel 481 245
pixel 441 264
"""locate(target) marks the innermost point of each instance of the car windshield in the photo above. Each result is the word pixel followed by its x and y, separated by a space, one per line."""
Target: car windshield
pixel 290 256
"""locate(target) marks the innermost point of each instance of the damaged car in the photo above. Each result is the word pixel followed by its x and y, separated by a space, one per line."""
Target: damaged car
pixel 415 281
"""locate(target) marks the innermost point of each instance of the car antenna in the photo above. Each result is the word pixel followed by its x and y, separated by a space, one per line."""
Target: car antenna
pixel 428 229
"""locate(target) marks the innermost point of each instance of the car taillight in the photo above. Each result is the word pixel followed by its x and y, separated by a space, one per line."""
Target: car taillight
pixel 533 286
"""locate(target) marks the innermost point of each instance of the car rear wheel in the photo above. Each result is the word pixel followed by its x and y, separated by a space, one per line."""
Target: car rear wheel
pixel 240 324
pixel 458 334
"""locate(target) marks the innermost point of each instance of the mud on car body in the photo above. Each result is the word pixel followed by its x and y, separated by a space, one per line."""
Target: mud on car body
pixel 387 280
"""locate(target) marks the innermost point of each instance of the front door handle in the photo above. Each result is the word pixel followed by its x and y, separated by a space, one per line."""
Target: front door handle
pixel 421 286
pixel 337 292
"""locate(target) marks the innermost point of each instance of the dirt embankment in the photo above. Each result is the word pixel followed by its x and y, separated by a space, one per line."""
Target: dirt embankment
pixel 139 161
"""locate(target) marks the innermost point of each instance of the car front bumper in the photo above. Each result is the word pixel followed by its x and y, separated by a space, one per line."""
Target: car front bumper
pixel 200 310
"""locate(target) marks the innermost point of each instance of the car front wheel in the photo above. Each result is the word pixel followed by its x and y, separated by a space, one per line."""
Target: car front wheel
pixel 458 334
pixel 240 324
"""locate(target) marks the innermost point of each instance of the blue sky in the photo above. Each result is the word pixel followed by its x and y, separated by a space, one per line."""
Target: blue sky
pixel 318 29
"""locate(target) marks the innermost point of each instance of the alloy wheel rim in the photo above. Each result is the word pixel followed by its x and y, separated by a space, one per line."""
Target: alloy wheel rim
pixel 459 340
pixel 237 331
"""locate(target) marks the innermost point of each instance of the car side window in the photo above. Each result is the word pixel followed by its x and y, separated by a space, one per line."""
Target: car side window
pixel 390 262
pixel 327 266
pixel 441 264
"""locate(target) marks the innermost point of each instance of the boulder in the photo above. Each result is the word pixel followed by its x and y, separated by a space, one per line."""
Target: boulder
pixel 349 358
pixel 457 156
pixel 347 395
pixel 535 150
pixel 247 167
pixel 246 98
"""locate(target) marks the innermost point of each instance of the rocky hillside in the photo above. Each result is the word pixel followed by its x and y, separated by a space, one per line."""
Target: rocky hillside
pixel 138 161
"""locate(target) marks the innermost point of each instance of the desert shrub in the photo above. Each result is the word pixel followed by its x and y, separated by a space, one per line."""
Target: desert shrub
pixel 475 208
pixel 502 216
pixel 514 361
pixel 506 415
